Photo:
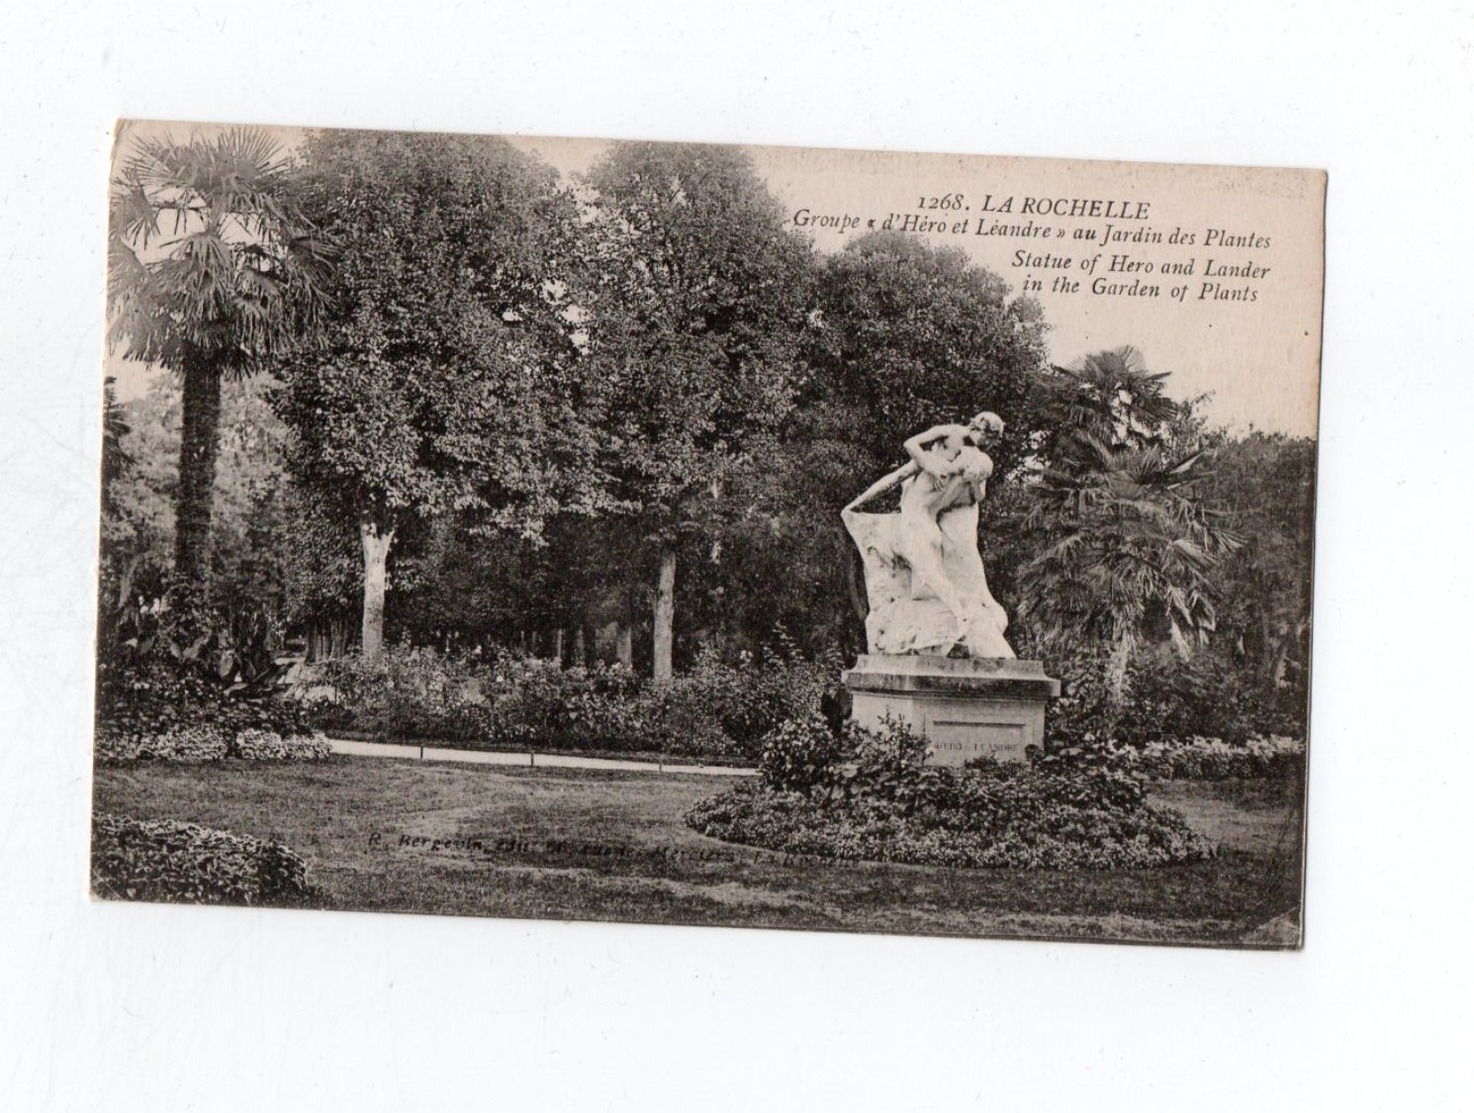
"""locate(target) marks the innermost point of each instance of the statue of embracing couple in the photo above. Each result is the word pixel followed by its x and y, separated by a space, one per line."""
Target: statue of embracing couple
pixel 923 573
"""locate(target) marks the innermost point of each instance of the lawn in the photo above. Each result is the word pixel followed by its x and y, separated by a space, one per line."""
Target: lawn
pixel 407 836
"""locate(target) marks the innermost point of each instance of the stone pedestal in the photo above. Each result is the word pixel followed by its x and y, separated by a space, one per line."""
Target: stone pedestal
pixel 966 708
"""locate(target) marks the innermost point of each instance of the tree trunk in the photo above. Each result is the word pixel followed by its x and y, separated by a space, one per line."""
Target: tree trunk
pixel 1268 646
pixel 855 579
pixel 198 447
pixel 1116 674
pixel 376 544
pixel 624 644
pixel 580 654
pixel 665 614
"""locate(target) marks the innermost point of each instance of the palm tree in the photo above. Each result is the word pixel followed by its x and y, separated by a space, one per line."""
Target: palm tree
pixel 210 269
pixel 1126 537
pixel 1109 396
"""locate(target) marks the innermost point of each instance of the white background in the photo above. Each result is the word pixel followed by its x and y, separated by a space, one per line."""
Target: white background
pixel 150 1008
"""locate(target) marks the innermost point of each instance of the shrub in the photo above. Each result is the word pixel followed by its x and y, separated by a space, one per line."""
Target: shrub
pixel 1194 758
pixel 154 710
pixel 115 745
pixel 1009 818
pixel 275 714
pixel 267 745
pixel 1207 696
pixel 203 742
pixel 194 743
pixel 165 860
pixel 1198 720
pixel 404 693
pixel 175 663
pixel 718 710
pixel 870 795
pixel 1213 759
pixel 803 756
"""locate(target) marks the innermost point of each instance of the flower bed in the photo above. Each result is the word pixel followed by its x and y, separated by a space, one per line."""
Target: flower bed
pixel 871 797
pixel 1195 758
pixel 1213 759
pixel 111 746
pixel 204 742
pixel 195 743
pixel 166 860
pixel 267 745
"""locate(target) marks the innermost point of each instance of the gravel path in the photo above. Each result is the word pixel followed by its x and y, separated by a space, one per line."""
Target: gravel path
pixel 563 761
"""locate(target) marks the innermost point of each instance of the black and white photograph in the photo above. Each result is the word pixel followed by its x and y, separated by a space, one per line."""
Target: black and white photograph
pixel 766 557
pixel 710 535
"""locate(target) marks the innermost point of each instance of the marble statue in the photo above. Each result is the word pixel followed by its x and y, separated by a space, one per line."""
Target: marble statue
pixel 923 574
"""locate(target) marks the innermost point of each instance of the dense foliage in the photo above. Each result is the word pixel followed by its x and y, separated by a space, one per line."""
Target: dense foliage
pixel 862 795
pixel 714 711
pixel 165 860
pixel 913 334
pixel 1125 547
pixel 506 409
pixel 446 378
pixel 253 565
pixel 696 300
pixel 180 680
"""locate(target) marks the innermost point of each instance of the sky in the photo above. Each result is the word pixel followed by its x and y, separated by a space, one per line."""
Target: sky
pixel 1259 359
pixel 1243 326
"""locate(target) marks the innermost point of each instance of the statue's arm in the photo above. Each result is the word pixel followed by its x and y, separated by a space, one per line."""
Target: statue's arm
pixel 880 486
pixel 919 447
pixel 923 459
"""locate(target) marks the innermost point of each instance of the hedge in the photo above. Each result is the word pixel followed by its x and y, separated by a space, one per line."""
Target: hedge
pixel 167 860
pixel 203 742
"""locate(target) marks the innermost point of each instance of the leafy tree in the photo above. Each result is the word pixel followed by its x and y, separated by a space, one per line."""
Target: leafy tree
pixel 1267 481
pixel 211 268
pixel 1125 538
pixel 908 335
pixel 696 302
pixel 323 557
pixel 914 335
pixel 446 383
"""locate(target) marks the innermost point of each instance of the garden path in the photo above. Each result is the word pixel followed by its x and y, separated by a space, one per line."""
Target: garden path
pixel 564 761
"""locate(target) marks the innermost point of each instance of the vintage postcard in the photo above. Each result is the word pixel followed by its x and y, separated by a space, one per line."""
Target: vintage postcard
pixel 688 534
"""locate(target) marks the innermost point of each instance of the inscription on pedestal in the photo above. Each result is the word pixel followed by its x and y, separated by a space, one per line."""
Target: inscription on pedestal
pixel 954 742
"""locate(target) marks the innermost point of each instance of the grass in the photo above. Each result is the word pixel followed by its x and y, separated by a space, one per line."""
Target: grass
pixel 405 836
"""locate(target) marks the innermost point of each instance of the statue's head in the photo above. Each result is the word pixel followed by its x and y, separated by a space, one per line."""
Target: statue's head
pixel 987 427
pixel 973 464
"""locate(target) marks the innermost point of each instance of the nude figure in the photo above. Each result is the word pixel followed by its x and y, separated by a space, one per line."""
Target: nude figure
pixel 936 537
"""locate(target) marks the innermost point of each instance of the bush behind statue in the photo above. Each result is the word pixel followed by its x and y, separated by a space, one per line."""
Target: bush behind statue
pixel 871 796
pixel 1169 699
pixel 1198 720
